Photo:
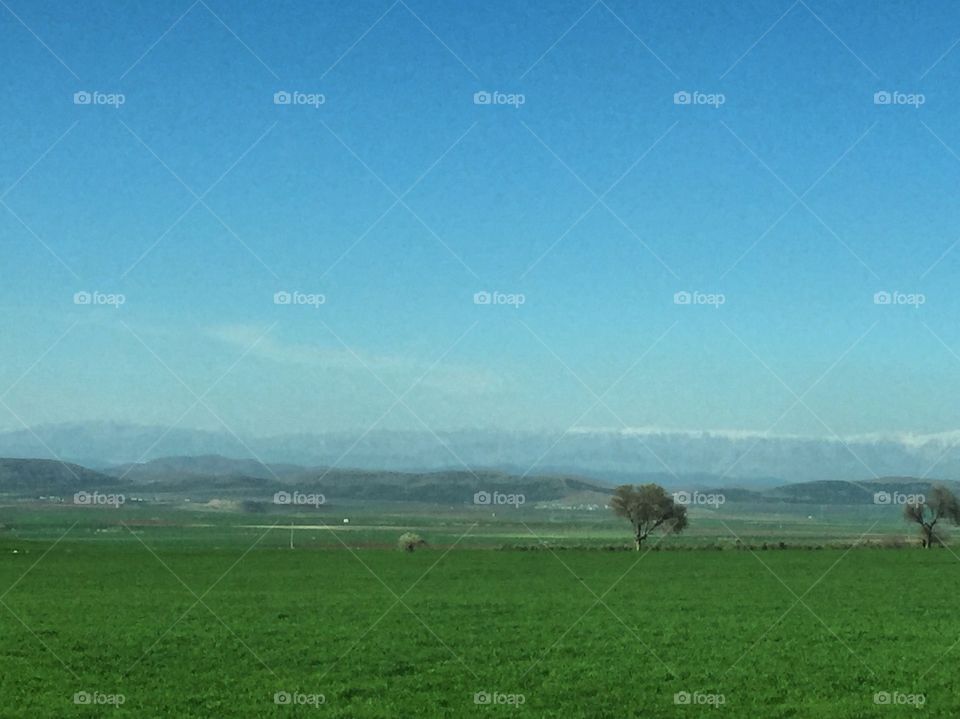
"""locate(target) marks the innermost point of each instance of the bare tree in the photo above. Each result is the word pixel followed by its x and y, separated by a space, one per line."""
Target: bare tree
pixel 941 504
pixel 648 507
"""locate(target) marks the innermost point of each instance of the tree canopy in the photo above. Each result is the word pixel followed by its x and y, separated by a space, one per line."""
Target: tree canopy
pixel 648 507
pixel 926 512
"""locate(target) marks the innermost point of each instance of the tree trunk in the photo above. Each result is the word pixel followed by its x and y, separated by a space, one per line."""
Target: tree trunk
pixel 637 541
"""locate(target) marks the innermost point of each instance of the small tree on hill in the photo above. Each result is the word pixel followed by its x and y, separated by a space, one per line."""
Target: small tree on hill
pixel 941 504
pixel 648 507
pixel 409 541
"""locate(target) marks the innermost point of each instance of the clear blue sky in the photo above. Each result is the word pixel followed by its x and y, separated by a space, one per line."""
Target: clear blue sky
pixel 104 199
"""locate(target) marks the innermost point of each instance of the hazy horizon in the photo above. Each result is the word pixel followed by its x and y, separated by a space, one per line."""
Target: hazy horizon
pixel 731 458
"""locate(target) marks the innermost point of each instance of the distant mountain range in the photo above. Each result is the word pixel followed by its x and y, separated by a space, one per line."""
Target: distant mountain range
pixel 215 477
pixel 731 459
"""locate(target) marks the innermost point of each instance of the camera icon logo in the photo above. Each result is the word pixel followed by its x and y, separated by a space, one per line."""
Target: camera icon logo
pixel 681 698
pixel 482 497
pixel 682 298
pixel 682 98
pixel 482 298
pixel 282 498
pixel 82 698
pixel 482 698
pixel 681 497
pixel 882 97
pixel 82 98
pixel 82 298
pixel 282 298
pixel 882 298
pixel 282 698
pixel 282 97
pixel 882 497
pixel 482 98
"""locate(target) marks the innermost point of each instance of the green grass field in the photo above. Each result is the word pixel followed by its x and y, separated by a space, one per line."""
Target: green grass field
pixel 216 618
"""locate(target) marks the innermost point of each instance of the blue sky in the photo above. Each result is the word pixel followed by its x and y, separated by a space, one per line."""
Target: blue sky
pixel 399 198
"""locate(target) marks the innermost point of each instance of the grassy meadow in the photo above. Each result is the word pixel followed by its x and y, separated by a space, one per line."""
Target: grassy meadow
pixel 194 615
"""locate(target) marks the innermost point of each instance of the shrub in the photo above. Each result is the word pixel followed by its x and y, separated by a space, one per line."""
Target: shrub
pixel 409 541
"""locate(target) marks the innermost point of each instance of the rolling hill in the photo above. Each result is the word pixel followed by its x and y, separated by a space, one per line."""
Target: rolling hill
pixel 46 476
pixel 214 476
